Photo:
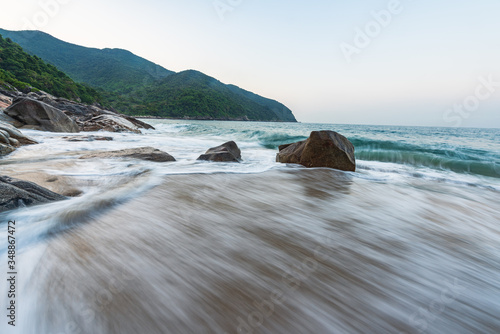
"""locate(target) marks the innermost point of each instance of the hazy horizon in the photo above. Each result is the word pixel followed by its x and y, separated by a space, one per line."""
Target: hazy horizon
pixel 373 62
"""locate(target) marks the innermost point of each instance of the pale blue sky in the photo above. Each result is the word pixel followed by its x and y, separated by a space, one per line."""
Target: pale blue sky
pixel 415 68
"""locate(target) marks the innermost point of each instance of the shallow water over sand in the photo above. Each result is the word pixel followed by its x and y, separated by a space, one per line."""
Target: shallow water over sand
pixel 400 246
pixel 298 251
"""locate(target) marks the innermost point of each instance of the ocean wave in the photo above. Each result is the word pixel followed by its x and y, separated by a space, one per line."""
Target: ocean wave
pixel 463 151
pixel 272 141
pixel 456 159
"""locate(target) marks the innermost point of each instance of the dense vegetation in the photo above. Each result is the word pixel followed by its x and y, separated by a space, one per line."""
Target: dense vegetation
pixel 112 70
pixel 136 86
pixel 21 70
pixel 191 94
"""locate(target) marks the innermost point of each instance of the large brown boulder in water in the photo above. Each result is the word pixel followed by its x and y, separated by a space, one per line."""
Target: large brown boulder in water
pixel 40 116
pixel 227 152
pixel 321 149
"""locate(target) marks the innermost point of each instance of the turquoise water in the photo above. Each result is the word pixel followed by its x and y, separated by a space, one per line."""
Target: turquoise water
pixel 460 150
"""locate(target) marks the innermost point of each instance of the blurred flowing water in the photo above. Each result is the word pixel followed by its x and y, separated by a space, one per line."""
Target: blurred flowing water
pixel 410 243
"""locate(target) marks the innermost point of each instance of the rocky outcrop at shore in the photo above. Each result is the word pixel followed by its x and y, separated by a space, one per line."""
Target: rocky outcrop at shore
pixel 321 149
pixel 36 111
pixel 11 138
pixel 16 193
pixel 141 153
pixel 37 115
pixel 227 152
pixel 111 123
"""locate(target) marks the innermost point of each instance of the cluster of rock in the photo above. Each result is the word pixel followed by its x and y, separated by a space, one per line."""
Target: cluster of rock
pixel 227 152
pixel 42 111
pixel 321 149
pixel 11 138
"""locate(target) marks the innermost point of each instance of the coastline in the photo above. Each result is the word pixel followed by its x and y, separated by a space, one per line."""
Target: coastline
pixel 211 119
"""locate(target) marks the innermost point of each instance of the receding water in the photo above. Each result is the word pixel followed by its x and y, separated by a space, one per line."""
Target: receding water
pixel 410 243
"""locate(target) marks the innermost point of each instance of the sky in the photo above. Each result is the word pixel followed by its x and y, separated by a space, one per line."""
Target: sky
pixel 388 62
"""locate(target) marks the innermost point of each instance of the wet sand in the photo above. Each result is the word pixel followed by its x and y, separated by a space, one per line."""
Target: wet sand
pixel 298 251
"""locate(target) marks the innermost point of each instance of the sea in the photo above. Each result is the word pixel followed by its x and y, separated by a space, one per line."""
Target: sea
pixel 408 243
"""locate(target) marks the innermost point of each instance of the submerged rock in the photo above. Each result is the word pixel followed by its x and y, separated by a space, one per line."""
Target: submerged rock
pixel 142 153
pixel 40 116
pixel 15 193
pixel 87 138
pixel 227 152
pixel 321 149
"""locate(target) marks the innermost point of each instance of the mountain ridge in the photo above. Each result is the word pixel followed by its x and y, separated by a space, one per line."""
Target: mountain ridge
pixel 136 86
pixel 25 72
pixel 79 62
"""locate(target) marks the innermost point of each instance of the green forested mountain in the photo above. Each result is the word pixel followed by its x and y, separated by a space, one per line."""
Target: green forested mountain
pixel 21 70
pixel 196 95
pixel 279 109
pixel 113 70
pixel 136 86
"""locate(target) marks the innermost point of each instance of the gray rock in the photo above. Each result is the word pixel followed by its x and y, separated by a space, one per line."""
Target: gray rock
pixel 15 193
pixel 9 120
pixel 111 123
pixel 41 116
pixel 87 138
pixel 6 149
pixel 14 142
pixel 321 149
pixel 4 137
pixel 5 101
pixel 88 117
pixel 227 152
pixel 11 138
pixel 16 134
pixel 141 153
pixel 95 117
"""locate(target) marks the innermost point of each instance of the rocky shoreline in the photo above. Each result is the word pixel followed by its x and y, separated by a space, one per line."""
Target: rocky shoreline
pixel 44 112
